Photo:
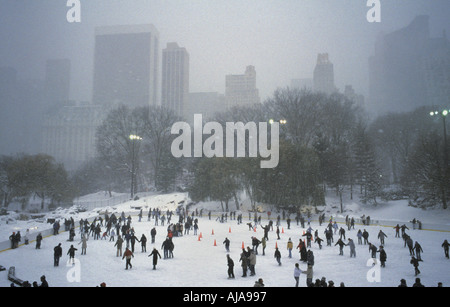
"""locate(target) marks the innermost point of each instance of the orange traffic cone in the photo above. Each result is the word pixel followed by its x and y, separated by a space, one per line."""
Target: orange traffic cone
pixel 276 245
pixel 215 244
pixel 229 230
pixel 254 229
pixel 282 230
pixel 243 245
pixel 199 238
pixel 212 232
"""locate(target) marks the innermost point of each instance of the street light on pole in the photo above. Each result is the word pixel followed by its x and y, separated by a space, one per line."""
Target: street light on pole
pixel 133 139
pixel 444 113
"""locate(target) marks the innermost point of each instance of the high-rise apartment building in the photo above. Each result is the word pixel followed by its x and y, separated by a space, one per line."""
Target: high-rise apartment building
pixel 240 90
pixel 323 76
pixel 409 69
pixel 57 82
pixel 126 65
pixel 175 78
pixel 68 133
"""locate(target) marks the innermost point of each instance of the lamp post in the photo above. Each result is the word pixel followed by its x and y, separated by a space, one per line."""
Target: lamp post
pixel 444 114
pixel 133 139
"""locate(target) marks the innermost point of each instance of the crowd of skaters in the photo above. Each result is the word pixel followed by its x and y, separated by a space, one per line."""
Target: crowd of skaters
pixel 120 227
pixel 307 255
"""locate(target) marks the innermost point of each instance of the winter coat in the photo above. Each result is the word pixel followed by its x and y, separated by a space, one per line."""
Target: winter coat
pixel 127 254
pixel 155 255
pixel 290 245
pixel 252 258
pixel 243 259
pixel 310 258
pixel 383 255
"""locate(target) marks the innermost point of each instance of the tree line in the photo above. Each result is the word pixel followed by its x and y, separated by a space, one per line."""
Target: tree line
pixel 327 142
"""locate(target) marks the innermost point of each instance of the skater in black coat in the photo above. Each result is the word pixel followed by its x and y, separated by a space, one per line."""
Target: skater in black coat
pixel 144 243
pixel 277 255
pixel 341 246
pixel 155 255
pixel 418 250
pixel 383 256
pixel 415 263
pixel 230 263
pixel 227 244
pixel 446 245
pixel 57 254
pixel 71 253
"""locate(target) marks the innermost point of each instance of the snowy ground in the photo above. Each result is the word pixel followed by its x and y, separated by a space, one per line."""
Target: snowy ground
pixel 199 263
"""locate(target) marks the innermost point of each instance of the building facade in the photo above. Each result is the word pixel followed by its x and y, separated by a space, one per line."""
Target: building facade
pixel 126 66
pixel 175 78
pixel 68 133
pixel 409 69
pixel 240 90
pixel 323 76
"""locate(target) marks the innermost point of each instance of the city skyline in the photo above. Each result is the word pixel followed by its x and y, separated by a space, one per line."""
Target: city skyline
pixel 281 41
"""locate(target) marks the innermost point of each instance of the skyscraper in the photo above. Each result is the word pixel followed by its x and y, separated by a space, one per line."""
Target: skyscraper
pixel 68 133
pixel 323 77
pixel 409 69
pixel 57 82
pixel 240 90
pixel 175 78
pixel 126 65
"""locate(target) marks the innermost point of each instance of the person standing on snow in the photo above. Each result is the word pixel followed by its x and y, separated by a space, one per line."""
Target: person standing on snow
pixel 119 243
pixel 251 261
pixel 71 253
pixel 297 273
pixel 227 244
pixel 277 255
pixel 38 241
pixel 290 246
pixel 446 245
pixel 57 253
pixel 128 255
pixel 365 235
pixel 381 236
pixel 351 244
pixel 144 243
pixel 415 263
pixel 383 256
pixel 83 243
pixel 341 246
pixel 418 250
pixel 155 255
pixel 373 249
pixel 264 244
pixel 244 263
pixel 230 264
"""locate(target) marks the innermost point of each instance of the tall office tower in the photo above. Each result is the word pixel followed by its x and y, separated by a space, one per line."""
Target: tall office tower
pixel 409 69
pixel 240 90
pixel 323 77
pixel 57 82
pixel 68 133
pixel 20 113
pixel 175 78
pixel 126 66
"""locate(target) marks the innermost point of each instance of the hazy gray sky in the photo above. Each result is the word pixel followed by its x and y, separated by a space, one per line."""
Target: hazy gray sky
pixel 281 38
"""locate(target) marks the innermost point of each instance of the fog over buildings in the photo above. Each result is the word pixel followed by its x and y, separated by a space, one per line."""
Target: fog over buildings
pixel 184 53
